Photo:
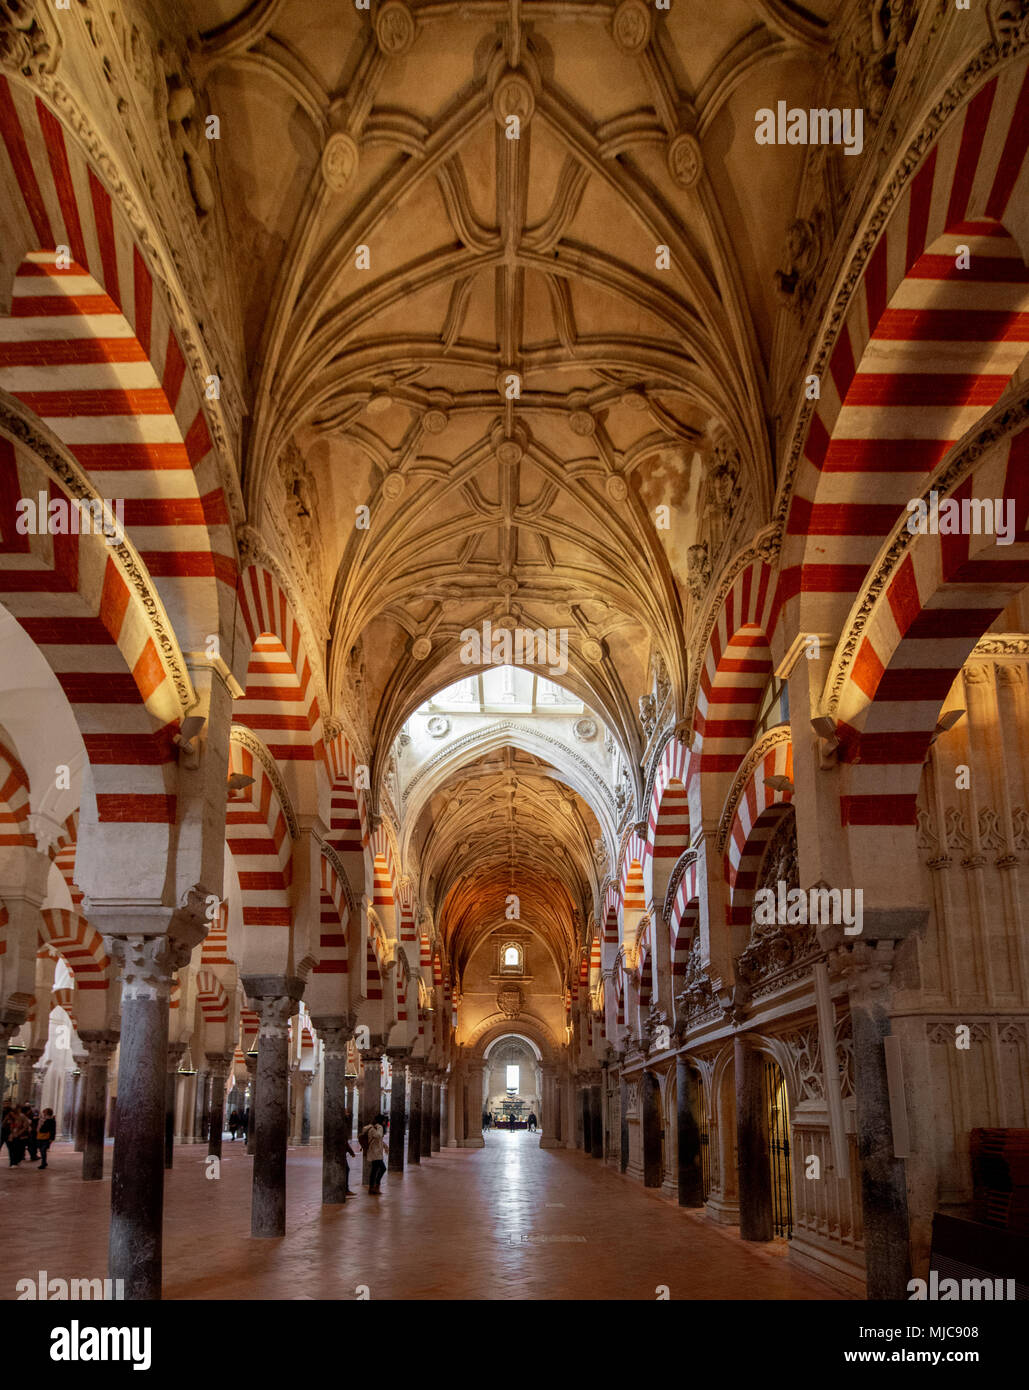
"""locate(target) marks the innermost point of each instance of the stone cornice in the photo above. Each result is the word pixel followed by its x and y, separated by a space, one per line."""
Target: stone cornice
pixel 25 428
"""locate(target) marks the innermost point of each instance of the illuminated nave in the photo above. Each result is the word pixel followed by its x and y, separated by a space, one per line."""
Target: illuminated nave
pixel 514 526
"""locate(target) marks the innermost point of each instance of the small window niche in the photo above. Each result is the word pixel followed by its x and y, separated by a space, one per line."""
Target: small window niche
pixel 511 959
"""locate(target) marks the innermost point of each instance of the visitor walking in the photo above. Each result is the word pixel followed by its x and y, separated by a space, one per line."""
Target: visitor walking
pixel 30 1139
pixel 17 1133
pixel 234 1124
pixel 374 1145
pixel 45 1136
pixel 532 1120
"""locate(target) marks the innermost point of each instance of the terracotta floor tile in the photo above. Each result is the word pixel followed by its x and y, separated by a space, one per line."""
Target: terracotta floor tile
pixel 442 1230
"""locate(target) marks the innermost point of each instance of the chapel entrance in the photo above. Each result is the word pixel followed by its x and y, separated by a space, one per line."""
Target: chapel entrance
pixel 514 1085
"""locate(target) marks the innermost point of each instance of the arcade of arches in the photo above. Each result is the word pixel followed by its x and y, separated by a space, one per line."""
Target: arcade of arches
pixel 454 557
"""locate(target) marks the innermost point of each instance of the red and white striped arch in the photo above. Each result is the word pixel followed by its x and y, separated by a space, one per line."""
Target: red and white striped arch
pixel 249 1027
pixel 215 949
pixel 334 920
pixel 737 665
pixel 348 818
pixel 64 999
pixel 73 599
pixel 668 822
pixel 257 834
pixel 116 353
pixel 925 349
pixel 15 802
pixel 406 904
pixel 741 894
pixel 213 1001
pixel 752 823
pixel 685 916
pixel 64 851
pixel 82 947
pixel 936 600
pixel 280 703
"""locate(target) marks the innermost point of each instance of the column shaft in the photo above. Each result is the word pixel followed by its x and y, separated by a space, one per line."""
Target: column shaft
pixel 688 1162
pixel 437 1118
pixel 755 1175
pixel 426 1145
pixel 397 1116
pixel 414 1133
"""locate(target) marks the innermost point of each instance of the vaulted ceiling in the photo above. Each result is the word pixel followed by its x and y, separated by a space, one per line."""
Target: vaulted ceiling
pixel 507 275
pixel 403 260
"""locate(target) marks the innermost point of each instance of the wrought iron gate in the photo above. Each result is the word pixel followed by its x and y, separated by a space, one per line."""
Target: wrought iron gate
pixel 705 1138
pixel 778 1113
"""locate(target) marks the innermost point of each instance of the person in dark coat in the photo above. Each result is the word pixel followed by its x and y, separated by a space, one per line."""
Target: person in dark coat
pixel 45 1135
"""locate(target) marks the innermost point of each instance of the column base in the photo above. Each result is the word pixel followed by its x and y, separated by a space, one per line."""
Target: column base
pixel 476 1142
pixel 547 1141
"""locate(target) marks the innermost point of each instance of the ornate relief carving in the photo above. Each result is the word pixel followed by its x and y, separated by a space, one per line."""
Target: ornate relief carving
pixel 805 248
pixel 30 43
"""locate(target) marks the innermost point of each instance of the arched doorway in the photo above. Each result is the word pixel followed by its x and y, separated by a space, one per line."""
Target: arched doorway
pixel 653 1129
pixel 513 1090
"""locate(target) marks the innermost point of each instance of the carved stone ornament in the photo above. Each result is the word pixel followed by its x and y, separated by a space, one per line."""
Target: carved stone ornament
pixel 585 729
pixel 648 715
pixel 593 651
pixel 513 96
pixel 685 160
pixel 339 161
pixel 797 281
pixel 27 44
pixel 1009 21
pixel 393 486
pixel 509 1001
pixel 435 421
pixel 394 28
pixel 617 489
pixel 582 423
pixel 438 726
pixel 698 570
pixel 632 25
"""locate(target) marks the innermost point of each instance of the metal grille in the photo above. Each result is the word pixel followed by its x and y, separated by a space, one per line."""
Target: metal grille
pixel 778 1112
pixel 705 1138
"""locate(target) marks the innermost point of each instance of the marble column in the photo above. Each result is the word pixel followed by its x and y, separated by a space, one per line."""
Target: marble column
pixel 587 1123
pixel 547 1119
pixel 473 1108
pixel 755 1174
pixel 26 1080
pixel 176 1051
pixel 306 1080
pixel 688 1160
pixel 397 1108
pixel 426 1144
pixel 414 1132
pixel 437 1117
pixel 867 967
pixel 71 1092
pixel 274 999
pixel 203 1086
pixel 219 1066
pixel 251 1061
pixel 623 1124
pixel 596 1121
pixel 444 1109
pixel 82 1059
pixel 100 1048
pixel 137 1170
pixel 335 1031
pixel 455 1106
pixel 371 1099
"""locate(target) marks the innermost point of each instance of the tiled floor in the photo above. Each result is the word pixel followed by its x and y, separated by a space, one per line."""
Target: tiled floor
pixel 466 1224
